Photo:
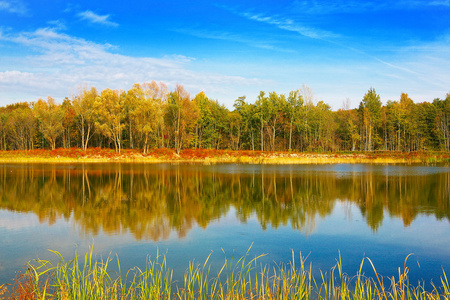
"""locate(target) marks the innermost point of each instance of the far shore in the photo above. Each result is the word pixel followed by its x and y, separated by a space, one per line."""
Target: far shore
pixel 212 156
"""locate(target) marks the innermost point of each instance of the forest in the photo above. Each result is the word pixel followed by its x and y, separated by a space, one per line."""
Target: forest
pixel 150 116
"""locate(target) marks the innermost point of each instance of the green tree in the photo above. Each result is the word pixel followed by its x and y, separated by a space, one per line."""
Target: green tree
pixel 3 128
pixel 250 121
pixel 442 122
pixel 236 127
pixel 275 107
pixel 370 110
pixel 292 110
pixel 262 112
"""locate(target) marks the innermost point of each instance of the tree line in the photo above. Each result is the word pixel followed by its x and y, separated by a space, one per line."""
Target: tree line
pixel 149 116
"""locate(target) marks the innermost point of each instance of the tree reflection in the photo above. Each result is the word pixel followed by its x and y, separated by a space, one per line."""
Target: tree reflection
pixel 151 202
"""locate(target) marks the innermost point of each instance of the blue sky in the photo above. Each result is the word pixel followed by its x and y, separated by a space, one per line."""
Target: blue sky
pixel 228 49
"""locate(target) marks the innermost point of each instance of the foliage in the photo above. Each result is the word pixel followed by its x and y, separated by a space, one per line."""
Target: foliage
pixel 149 116
pixel 50 117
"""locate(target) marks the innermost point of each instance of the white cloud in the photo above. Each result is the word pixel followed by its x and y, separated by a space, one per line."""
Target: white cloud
pixel 13 6
pixel 63 62
pixel 97 19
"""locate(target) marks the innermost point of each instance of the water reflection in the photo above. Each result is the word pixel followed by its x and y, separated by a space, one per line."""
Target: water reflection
pixel 152 201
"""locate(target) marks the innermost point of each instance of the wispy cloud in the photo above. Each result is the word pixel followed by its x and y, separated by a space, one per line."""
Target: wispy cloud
pixel 57 24
pixel 97 19
pixel 227 36
pixel 351 6
pixel 13 6
pixel 290 25
pixel 441 3
pixel 62 62
pixel 338 6
pixel 405 68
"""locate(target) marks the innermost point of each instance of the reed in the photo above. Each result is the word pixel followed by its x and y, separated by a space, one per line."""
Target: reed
pixel 88 277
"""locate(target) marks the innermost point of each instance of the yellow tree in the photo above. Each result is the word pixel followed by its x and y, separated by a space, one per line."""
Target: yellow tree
pixel 110 113
pixel 20 126
pixel 50 116
pixel 181 115
pixel 408 123
pixel 158 93
pixel 147 114
pixel 83 105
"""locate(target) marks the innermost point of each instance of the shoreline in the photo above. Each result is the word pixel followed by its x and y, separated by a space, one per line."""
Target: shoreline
pixel 212 156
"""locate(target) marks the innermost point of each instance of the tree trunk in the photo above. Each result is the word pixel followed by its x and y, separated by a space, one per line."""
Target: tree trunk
pixel 290 137
pixel 262 136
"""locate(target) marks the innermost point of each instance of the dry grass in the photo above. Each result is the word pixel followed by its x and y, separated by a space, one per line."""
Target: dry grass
pixel 212 156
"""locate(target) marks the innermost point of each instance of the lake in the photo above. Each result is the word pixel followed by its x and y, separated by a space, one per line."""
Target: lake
pixel 188 211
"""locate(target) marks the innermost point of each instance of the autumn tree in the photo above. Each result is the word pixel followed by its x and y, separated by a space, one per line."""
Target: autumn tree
pixel 20 126
pixel 304 125
pixel 68 122
pixel 109 112
pixel 146 113
pixel 50 117
pixel 148 116
pixel 158 94
pixel 204 129
pixel 83 105
pixel 181 116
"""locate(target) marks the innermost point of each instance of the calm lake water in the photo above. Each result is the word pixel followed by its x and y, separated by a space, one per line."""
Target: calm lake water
pixel 186 212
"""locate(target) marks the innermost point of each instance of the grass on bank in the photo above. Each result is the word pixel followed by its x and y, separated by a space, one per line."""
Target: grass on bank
pixel 209 156
pixel 245 278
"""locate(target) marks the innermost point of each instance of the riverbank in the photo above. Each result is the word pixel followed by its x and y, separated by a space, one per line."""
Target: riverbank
pixel 85 277
pixel 211 156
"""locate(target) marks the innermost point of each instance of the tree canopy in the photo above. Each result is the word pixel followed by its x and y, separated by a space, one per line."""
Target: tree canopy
pixel 149 115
